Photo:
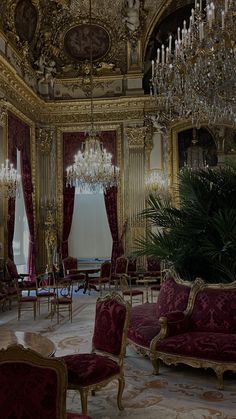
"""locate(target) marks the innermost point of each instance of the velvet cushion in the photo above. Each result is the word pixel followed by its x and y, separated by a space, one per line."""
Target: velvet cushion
pixel 109 325
pixel 144 325
pixel 121 265
pixel 27 392
pixel 71 415
pixel 172 297
pixel 204 345
pixel 62 301
pixel 87 369
pixel 214 311
pixel 29 299
pixel 133 292
pixel 27 284
pixel 153 264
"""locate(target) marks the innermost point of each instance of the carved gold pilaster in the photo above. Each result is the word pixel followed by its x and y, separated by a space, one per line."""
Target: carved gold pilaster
pixel 46 148
pixel 136 192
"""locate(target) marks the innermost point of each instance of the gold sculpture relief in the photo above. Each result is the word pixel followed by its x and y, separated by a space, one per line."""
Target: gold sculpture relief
pixel 51 238
pixel 45 137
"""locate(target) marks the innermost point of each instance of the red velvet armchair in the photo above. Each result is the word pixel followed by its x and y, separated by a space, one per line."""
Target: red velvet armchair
pixel 92 371
pixel 32 386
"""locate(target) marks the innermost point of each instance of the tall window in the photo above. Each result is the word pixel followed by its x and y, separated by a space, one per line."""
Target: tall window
pixel 90 235
pixel 21 231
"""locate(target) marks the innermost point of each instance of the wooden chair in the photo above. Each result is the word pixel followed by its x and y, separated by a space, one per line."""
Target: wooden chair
pixel 153 267
pixel 63 300
pixel 121 267
pixel 44 290
pixel 70 270
pixel 25 302
pixel 128 291
pixel 132 268
pixel 32 386
pixel 92 371
pixel 24 280
pixel 103 279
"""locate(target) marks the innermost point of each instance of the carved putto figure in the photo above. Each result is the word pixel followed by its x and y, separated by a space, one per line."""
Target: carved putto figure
pixel 132 14
pixel 46 69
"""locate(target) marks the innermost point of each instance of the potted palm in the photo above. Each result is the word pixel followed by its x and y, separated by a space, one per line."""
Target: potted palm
pixel 197 238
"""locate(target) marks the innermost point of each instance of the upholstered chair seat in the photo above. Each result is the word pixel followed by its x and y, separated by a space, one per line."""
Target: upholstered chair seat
pixel 88 369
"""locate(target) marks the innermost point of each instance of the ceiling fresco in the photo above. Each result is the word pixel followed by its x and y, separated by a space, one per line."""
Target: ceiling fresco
pixel 55 39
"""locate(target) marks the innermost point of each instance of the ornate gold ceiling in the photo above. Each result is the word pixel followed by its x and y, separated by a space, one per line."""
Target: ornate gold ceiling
pixel 55 33
pixel 47 44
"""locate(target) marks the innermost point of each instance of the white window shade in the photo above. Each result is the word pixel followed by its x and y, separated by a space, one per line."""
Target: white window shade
pixel 90 235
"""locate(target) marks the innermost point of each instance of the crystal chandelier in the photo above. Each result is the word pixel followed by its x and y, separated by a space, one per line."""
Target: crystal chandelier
pixel 9 180
pixel 196 74
pixel 156 182
pixel 92 170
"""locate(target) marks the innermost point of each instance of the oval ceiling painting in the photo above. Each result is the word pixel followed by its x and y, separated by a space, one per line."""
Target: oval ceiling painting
pixel 26 17
pixel 82 40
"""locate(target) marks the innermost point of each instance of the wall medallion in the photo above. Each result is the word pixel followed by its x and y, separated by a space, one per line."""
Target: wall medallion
pixel 26 17
pixel 79 39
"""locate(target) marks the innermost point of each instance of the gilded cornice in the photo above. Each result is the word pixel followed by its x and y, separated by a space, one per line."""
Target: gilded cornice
pixel 20 95
pixel 17 92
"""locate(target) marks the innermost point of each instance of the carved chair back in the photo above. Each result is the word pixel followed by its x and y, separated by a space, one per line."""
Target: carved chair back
pixel 111 326
pixel 68 264
pixel 27 376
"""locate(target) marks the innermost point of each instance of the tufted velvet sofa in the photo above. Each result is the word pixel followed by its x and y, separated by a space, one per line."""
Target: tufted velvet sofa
pixel 204 335
pixel 144 325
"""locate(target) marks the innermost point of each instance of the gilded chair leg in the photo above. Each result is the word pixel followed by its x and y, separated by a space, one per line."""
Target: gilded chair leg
pixel 121 387
pixel 155 364
pixel 219 375
pixel 58 313
pixel 83 398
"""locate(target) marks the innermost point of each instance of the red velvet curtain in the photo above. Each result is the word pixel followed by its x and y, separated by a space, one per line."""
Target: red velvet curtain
pixel 110 198
pixel 71 144
pixel 19 137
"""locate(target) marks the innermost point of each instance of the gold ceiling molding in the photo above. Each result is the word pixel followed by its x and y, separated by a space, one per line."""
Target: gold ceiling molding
pixel 17 92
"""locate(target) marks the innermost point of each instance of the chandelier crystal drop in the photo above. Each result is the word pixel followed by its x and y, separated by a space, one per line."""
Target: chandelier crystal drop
pixel 196 74
pixel 9 180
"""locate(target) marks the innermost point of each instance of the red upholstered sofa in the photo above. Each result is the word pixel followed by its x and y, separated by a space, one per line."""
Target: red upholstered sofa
pixel 204 335
pixel 144 324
